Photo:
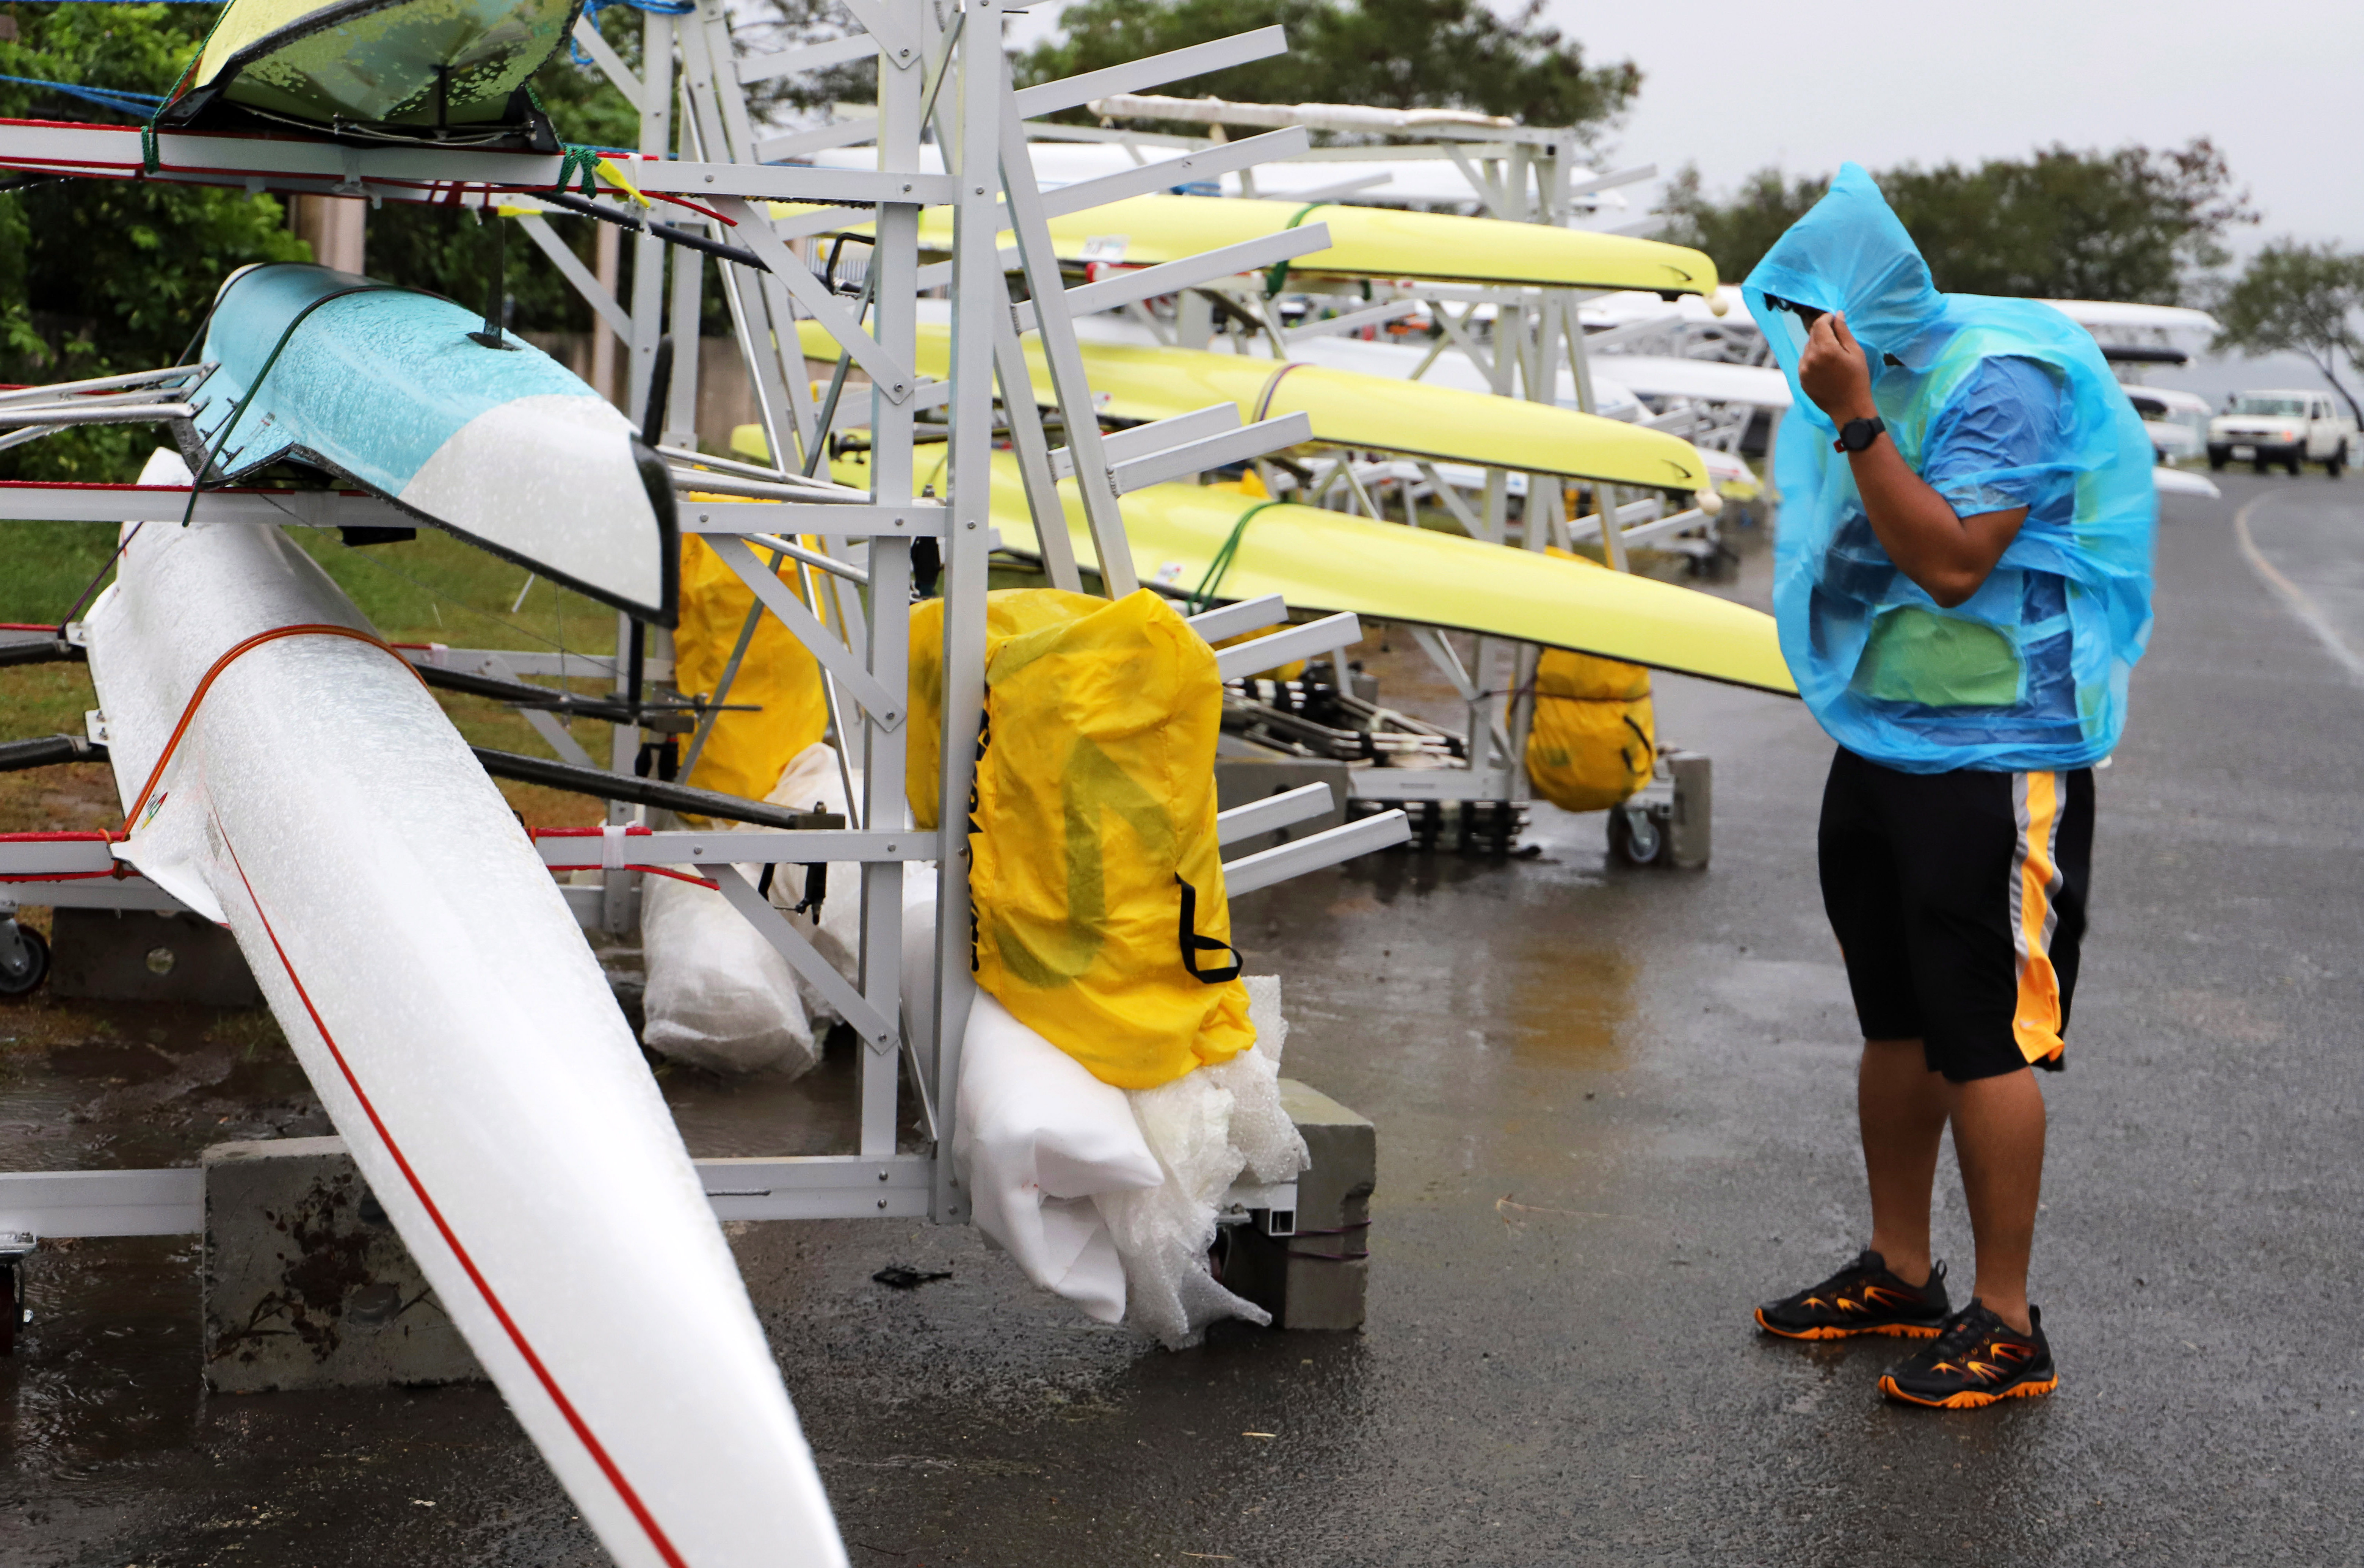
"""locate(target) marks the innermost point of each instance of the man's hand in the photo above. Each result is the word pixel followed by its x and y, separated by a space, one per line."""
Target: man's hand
pixel 1835 371
pixel 1948 556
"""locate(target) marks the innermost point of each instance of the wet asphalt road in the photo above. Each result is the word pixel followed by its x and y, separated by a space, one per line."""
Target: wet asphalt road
pixel 1614 1111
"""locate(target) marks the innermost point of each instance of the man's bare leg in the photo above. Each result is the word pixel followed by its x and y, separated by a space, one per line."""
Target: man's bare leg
pixel 1902 1108
pixel 1999 1139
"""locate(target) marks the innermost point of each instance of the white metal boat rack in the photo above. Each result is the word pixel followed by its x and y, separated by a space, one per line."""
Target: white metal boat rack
pixel 1520 341
pixel 942 70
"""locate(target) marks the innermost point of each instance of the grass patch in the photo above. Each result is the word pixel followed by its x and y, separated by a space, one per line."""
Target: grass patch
pixel 431 589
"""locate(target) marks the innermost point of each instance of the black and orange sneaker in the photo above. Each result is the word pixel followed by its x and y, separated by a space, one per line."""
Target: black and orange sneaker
pixel 1976 1361
pixel 1861 1298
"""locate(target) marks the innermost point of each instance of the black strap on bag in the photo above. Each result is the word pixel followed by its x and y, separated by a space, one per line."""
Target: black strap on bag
pixel 1193 944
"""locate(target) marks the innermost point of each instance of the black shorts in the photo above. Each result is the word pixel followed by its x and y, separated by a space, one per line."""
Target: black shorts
pixel 1959 904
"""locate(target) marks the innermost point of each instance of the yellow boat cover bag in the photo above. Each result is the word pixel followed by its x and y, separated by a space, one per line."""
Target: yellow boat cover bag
pixel 1098 886
pixel 747 752
pixel 1592 740
pixel 1007 613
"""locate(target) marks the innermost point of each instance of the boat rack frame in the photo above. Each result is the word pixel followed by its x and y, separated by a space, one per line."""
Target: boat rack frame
pixel 941 70
pixel 1519 175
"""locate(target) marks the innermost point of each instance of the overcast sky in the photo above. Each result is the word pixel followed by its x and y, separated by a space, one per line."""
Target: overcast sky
pixel 1733 85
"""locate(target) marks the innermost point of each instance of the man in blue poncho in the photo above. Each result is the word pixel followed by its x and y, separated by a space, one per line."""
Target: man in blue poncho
pixel 1962 582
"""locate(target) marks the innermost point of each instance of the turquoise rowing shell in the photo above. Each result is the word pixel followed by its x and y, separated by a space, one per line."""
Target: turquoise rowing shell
pixel 383 387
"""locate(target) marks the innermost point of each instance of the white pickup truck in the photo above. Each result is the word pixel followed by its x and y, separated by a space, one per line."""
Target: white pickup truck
pixel 2288 427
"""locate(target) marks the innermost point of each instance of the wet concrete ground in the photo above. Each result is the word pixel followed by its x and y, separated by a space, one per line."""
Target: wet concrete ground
pixel 1614 1111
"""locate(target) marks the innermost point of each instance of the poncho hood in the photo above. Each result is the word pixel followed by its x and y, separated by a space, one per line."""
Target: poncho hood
pixel 2032 671
pixel 1849 253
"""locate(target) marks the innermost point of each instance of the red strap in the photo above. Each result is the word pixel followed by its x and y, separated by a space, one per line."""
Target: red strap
pixel 131 817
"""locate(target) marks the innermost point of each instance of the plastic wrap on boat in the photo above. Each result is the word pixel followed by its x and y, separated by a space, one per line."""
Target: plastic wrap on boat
pixel 441 996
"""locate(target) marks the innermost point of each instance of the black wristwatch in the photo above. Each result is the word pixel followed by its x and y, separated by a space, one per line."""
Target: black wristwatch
pixel 1856 435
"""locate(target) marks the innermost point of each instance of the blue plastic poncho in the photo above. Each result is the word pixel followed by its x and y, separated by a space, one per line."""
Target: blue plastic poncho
pixel 1996 403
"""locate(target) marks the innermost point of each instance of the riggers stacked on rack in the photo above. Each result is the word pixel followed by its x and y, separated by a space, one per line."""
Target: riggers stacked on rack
pixel 255 710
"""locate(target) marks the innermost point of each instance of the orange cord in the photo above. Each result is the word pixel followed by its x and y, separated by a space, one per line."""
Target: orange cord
pixel 305 629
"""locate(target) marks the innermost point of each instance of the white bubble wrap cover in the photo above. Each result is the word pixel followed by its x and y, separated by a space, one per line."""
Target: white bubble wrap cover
pixel 1104 1195
pixel 721 997
pixel 425 969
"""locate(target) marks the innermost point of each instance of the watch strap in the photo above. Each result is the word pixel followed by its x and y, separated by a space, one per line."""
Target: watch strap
pixel 1856 435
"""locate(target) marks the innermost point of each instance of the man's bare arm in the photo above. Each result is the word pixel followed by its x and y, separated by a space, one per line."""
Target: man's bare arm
pixel 1948 556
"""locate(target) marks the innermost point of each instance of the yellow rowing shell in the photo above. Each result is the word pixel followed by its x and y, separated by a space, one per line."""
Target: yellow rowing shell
pixel 1326 561
pixel 1351 409
pixel 1365 242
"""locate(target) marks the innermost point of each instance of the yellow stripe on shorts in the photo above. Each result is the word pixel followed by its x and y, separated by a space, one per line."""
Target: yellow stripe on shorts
pixel 2035 889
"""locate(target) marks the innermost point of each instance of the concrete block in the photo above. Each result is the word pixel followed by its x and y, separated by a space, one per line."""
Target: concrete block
pixel 1317 1278
pixel 142 956
pixel 1242 781
pixel 306 1286
pixel 1690 836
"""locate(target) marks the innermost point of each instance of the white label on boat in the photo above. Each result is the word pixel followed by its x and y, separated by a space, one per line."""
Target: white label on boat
pixel 1106 247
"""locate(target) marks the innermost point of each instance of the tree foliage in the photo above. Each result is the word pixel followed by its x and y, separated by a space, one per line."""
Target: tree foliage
pixel 2133 223
pixel 1455 54
pixel 102 275
pixel 2298 298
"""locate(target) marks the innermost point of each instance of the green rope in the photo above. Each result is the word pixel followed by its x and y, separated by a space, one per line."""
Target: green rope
pixel 1278 275
pixel 579 160
pixel 150 157
pixel 1202 597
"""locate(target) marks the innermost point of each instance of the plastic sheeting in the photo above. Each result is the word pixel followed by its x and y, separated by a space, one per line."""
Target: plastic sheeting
pixel 1041 1143
pixel 750 746
pixel 1097 880
pixel 460 1036
pixel 1107 1198
pixel 2031 672
pixel 720 997
pixel 1593 742
pixel 1207 1127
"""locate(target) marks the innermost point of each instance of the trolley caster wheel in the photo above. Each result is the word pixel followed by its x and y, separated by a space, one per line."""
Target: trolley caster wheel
pixel 24 959
pixel 1633 835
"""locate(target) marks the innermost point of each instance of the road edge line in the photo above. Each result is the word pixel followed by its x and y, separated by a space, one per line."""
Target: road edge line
pixel 2292 595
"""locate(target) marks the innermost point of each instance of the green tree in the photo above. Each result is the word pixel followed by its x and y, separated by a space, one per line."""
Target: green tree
pixel 101 276
pixel 104 275
pixel 1455 54
pixel 2135 223
pixel 2301 299
pixel 1737 232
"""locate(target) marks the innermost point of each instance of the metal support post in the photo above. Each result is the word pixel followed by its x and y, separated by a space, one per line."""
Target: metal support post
pixel 648 250
pixel 978 291
pixel 1056 325
pixel 902 83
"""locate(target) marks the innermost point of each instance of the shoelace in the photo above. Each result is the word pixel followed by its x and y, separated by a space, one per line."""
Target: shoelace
pixel 1848 1280
pixel 1966 1339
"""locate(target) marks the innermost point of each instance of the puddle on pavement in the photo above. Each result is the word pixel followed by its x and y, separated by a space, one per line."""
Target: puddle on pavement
pixel 106 1373
pixel 1570 1007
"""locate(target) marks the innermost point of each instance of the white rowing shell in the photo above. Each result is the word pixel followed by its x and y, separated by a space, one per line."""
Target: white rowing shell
pixel 424 966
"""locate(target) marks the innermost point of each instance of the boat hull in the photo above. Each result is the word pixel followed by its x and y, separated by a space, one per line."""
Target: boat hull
pixel 383 387
pixel 426 970
pixel 423 62
pixel 1326 561
pixel 1348 409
